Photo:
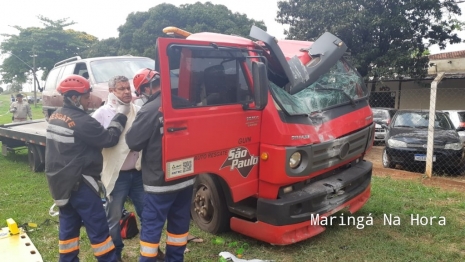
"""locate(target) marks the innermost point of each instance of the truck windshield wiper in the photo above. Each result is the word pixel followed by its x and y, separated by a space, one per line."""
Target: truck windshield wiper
pixel 403 126
pixel 352 101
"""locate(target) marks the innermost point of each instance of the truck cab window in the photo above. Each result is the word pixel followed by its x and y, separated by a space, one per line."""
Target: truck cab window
pixel 208 77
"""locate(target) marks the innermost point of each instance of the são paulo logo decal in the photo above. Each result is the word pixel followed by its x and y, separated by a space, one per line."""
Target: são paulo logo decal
pixel 239 158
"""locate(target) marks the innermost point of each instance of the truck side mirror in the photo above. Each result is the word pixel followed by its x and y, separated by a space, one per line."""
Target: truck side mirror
pixel 260 85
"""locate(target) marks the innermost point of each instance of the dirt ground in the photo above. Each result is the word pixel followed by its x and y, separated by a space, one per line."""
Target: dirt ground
pixel 445 182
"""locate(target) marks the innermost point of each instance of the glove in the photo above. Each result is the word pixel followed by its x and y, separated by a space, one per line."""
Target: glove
pixel 118 118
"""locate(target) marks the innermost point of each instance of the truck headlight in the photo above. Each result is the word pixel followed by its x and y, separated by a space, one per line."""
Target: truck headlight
pixel 295 159
pixel 454 146
pixel 396 143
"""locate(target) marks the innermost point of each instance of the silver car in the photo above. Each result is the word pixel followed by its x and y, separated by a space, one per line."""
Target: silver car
pixel 382 115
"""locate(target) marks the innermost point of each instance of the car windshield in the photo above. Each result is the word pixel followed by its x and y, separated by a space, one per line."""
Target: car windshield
pixel 380 114
pixel 342 84
pixel 105 69
pixel 421 120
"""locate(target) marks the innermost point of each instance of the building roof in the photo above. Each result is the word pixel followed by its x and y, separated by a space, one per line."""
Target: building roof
pixel 448 55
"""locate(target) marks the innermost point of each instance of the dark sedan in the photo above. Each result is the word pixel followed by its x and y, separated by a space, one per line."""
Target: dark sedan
pixel 406 142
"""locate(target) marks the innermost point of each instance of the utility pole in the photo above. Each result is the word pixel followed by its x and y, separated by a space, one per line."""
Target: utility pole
pixel 34 75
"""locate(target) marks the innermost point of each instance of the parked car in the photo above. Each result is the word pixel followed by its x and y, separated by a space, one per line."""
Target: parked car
pixel 30 99
pixel 382 115
pixel 98 70
pixel 406 141
pixel 458 119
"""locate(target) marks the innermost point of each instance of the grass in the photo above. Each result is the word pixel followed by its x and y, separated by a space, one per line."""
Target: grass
pixel 24 196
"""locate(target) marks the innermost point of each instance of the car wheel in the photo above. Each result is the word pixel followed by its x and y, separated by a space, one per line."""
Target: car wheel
pixel 209 209
pixel 387 160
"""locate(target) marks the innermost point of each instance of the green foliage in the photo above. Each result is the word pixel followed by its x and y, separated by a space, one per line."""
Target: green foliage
pixel 105 47
pixel 141 30
pixel 16 87
pixel 51 44
pixel 385 38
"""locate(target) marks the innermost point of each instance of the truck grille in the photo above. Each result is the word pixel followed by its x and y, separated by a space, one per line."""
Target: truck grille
pixel 331 153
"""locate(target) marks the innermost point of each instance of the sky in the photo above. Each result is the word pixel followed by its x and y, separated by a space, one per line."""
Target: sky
pixel 102 18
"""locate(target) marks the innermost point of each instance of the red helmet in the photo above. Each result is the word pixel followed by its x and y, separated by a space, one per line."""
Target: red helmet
pixel 74 83
pixel 144 76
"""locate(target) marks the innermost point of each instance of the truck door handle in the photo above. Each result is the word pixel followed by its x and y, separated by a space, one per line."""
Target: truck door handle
pixel 175 129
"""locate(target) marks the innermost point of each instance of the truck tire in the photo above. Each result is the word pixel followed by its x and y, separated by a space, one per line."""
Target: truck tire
pixel 209 209
pixel 35 155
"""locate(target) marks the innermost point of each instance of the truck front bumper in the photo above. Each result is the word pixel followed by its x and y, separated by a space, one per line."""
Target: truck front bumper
pixel 316 198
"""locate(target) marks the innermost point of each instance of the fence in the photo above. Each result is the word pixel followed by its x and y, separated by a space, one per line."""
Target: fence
pixel 407 129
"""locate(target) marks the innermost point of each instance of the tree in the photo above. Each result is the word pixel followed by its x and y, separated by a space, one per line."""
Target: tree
pixel 105 47
pixel 16 87
pixel 141 30
pixel 1 89
pixel 51 44
pixel 385 38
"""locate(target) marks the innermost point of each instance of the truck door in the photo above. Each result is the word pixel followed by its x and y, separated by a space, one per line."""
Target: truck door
pixel 206 90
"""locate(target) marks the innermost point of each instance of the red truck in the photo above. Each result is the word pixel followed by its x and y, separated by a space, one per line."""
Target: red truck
pixel 275 130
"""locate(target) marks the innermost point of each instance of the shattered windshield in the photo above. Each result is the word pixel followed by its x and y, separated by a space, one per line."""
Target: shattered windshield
pixel 341 85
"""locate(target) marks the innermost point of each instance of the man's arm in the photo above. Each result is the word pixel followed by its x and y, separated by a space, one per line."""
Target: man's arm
pixel 95 135
pixel 142 128
pixel 13 107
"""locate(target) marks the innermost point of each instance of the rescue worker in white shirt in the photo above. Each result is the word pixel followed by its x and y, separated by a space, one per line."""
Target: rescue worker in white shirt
pixel 164 200
pixel 73 163
pixel 20 109
pixel 121 173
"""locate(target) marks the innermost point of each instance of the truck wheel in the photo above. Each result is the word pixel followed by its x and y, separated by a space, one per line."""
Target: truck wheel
pixel 34 157
pixel 209 209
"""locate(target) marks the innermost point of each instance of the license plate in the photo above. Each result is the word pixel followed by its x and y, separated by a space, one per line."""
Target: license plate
pixel 419 157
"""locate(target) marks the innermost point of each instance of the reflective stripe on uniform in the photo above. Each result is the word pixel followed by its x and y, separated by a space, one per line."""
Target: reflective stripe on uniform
pixel 103 248
pixel 61 202
pixel 61 130
pixel 68 246
pixel 92 181
pixel 176 240
pixel 148 249
pixel 60 138
pixel 117 125
pixel 163 189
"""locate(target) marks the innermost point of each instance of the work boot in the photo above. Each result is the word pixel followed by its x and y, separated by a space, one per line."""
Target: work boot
pixel 160 256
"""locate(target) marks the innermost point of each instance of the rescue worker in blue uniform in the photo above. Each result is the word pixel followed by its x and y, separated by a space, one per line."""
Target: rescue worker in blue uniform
pixel 164 201
pixel 73 162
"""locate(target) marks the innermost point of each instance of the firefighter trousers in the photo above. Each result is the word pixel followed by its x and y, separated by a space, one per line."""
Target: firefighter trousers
pixel 173 207
pixel 85 206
